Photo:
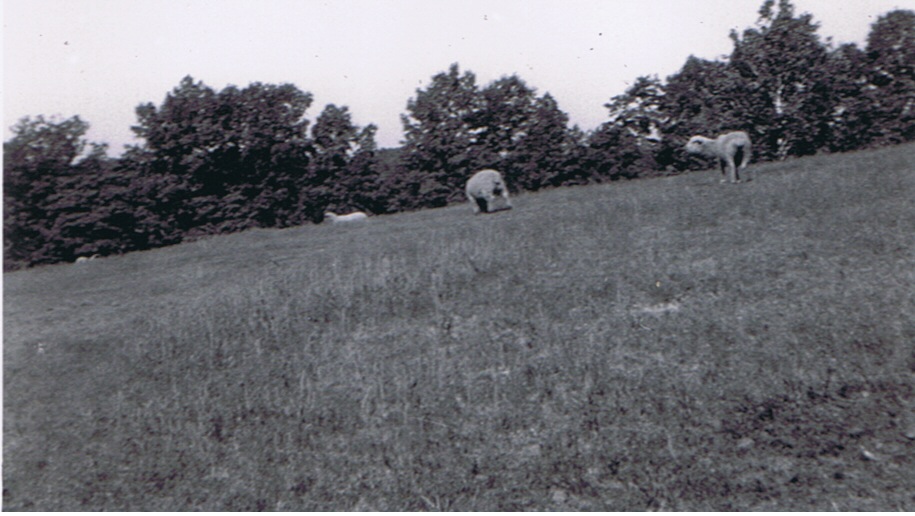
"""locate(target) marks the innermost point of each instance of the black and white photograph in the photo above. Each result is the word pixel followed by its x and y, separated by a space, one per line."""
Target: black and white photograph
pixel 458 255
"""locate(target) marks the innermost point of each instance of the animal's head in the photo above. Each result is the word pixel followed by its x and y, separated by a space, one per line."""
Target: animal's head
pixel 498 186
pixel 696 145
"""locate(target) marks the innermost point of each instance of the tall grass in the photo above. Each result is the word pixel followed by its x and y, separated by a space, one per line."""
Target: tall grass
pixel 665 344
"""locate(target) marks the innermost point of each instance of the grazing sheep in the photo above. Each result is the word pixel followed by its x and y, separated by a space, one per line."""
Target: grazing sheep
pixel 732 150
pixel 355 216
pixel 84 259
pixel 487 192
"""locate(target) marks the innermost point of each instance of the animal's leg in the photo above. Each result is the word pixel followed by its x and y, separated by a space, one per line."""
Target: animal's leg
pixel 482 204
pixel 737 162
pixel 475 204
pixel 732 172
pixel 491 204
pixel 745 161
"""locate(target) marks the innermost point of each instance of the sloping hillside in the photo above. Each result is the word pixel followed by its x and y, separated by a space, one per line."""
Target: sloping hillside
pixel 671 344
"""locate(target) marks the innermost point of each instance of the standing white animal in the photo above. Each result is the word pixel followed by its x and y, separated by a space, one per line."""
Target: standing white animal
pixel 487 192
pixel 355 216
pixel 731 149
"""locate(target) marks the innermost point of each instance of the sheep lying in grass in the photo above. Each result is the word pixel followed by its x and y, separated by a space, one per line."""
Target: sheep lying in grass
pixel 487 192
pixel 731 149
pixel 356 216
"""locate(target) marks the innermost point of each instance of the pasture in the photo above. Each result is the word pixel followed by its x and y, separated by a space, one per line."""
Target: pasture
pixel 666 344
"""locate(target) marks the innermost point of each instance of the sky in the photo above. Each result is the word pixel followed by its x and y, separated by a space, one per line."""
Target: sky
pixel 100 59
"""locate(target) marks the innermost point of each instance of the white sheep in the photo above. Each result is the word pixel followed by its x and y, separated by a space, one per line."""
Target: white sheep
pixel 84 259
pixel 487 192
pixel 731 149
pixel 356 216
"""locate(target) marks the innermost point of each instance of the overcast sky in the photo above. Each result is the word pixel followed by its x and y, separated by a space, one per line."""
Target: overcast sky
pixel 99 59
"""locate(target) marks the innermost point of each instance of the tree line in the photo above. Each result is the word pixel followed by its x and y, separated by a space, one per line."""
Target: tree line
pixel 215 162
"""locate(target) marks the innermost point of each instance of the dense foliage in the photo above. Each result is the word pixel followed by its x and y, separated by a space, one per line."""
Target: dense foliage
pixel 223 161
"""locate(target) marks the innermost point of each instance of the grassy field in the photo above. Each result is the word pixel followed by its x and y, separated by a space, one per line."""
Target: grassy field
pixel 669 344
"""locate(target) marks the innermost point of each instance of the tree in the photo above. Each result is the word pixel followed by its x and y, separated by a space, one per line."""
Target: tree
pixel 624 146
pixel 440 136
pixel 891 92
pixel 501 122
pixel 523 136
pixel 99 210
pixel 454 129
pixel 794 94
pixel 341 176
pixel 221 162
pixel 638 110
pixel 613 152
pixel 263 154
pixel 782 62
pixel 849 114
pixel 39 162
pixel 704 97
pixel 362 178
pixel 397 185
pixel 551 148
